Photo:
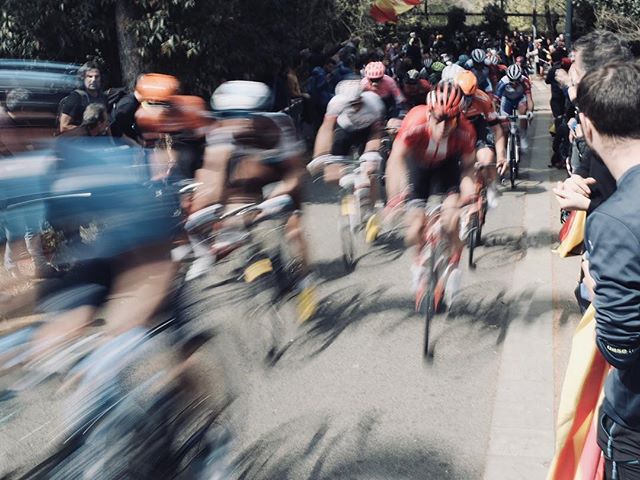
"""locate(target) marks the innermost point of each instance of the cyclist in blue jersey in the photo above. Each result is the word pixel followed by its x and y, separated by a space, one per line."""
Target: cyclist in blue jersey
pixel 514 92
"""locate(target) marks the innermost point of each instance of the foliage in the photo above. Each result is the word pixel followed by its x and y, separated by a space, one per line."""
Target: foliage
pixel 456 18
pixel 495 20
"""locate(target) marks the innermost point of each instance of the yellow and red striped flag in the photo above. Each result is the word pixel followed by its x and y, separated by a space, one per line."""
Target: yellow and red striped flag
pixel 387 11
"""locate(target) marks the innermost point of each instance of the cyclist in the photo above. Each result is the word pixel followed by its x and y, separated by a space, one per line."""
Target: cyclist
pixel 353 120
pixel 514 92
pixel 481 70
pixel 479 110
pixel 496 70
pixel 434 146
pixel 415 89
pixel 247 153
pixel 376 81
pixel 436 72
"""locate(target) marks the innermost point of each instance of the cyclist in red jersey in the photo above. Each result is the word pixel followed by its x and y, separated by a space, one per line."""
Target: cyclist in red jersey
pixel 479 109
pixel 435 151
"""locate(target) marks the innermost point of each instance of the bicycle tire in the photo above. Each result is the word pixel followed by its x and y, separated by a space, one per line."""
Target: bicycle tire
pixel 472 241
pixel 512 161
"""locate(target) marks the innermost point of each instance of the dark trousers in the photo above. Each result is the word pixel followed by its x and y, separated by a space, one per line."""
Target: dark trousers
pixel 621 447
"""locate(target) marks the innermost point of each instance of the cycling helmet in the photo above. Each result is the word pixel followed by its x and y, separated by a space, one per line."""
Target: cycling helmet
pixel 438 67
pixel 349 89
pixel 241 95
pixel 514 72
pixel 427 62
pixel 412 76
pixel 478 55
pixel 374 70
pixel 445 100
pixel 494 59
pixel 450 72
pixel 467 82
pixel 156 87
pixel 462 60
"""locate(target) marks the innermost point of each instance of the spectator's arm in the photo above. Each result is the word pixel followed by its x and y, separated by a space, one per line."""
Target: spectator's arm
pixel 614 254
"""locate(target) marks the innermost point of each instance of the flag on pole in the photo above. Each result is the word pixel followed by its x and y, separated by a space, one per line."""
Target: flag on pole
pixel 384 11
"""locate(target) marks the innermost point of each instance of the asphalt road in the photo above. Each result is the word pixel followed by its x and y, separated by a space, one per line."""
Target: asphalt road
pixel 352 397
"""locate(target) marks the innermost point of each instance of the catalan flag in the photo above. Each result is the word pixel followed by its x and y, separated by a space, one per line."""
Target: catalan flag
pixel 384 11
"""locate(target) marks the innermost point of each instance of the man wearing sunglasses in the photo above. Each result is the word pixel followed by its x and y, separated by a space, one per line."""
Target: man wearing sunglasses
pixel 514 92
pixel 434 146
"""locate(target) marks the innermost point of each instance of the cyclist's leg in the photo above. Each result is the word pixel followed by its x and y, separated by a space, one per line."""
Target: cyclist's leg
pixel 343 140
pixel 420 189
pixel 447 179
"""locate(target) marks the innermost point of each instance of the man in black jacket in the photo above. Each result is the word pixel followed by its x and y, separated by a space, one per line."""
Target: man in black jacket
pixel 609 101
pixel 591 182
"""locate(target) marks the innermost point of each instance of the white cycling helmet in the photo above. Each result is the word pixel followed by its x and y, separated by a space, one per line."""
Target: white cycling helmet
pixel 450 72
pixel 478 55
pixel 514 72
pixel 241 95
pixel 350 90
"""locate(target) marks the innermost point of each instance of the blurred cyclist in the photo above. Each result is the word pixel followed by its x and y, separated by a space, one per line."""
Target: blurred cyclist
pixel 376 81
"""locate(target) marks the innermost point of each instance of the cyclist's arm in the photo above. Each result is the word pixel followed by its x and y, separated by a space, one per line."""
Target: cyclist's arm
pixel 530 104
pixel 324 137
pixel 291 183
pixel 501 143
pixel 500 89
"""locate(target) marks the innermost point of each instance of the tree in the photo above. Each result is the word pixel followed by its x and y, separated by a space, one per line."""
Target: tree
pixel 495 19
pixel 456 18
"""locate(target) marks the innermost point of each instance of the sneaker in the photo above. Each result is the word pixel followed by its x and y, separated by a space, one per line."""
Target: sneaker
pixel 524 142
pixel 199 267
pixel 492 196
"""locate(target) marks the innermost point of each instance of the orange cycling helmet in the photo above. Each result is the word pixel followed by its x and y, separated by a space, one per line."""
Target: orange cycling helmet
pixel 467 82
pixel 374 70
pixel 157 87
pixel 445 101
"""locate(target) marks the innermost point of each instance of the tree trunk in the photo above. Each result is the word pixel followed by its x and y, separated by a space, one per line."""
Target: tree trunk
pixel 131 63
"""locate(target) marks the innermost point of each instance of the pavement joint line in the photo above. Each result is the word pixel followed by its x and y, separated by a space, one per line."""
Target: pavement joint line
pixel 528 340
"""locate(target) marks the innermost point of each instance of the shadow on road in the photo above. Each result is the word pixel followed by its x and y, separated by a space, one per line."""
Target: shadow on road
pixel 343 309
pixel 322 453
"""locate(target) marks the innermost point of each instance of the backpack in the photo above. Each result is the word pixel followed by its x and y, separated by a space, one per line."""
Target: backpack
pixel 84 96
pixel 114 95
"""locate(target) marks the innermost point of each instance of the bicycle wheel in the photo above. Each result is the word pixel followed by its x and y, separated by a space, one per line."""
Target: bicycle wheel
pixel 430 300
pixel 512 161
pixel 474 237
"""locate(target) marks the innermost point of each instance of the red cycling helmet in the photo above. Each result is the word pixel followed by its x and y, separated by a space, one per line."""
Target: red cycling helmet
pixel 445 101
pixel 374 70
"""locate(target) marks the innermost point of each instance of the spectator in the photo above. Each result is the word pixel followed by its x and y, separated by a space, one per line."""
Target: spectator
pixel 95 123
pixel 609 101
pixel 319 88
pixel 73 106
pixel 558 109
pixel 123 117
pixel 18 132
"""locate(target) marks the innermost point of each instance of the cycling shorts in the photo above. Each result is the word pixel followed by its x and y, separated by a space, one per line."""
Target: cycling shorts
pixel 441 179
pixel 508 107
pixel 484 133
pixel 343 140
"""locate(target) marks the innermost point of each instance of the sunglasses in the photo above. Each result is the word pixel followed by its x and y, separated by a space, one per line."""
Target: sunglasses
pixel 445 118
pixel 375 80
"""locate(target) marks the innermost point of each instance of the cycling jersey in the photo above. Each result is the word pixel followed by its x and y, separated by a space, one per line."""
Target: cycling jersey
pixel 385 88
pixel 482 74
pixel 372 110
pixel 513 91
pixel 481 105
pixel 416 93
pixel 414 132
